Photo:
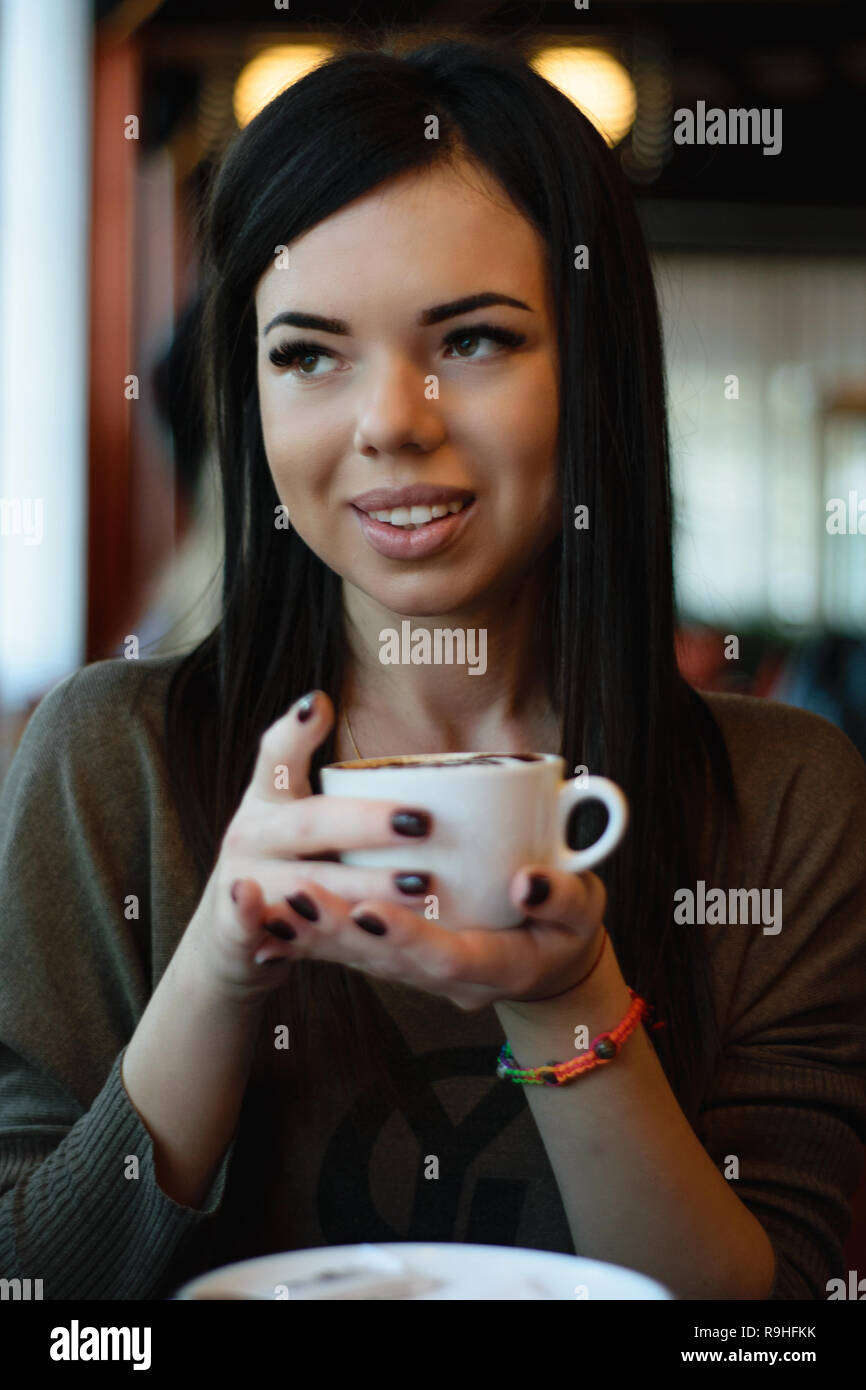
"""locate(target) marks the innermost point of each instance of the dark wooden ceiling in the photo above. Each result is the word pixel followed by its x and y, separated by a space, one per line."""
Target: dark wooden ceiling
pixel 805 57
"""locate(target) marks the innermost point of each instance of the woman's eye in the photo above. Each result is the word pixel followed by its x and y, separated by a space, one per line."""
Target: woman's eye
pixel 299 358
pixel 466 338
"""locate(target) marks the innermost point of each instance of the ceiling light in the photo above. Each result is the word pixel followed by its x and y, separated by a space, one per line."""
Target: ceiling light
pixel 270 72
pixel 596 82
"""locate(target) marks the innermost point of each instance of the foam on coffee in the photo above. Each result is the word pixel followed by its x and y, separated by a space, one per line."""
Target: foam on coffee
pixel 442 760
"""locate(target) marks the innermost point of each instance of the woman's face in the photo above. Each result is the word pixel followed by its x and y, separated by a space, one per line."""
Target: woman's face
pixel 386 400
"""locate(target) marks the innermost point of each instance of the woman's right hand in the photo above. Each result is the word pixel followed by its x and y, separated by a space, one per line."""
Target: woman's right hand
pixel 280 834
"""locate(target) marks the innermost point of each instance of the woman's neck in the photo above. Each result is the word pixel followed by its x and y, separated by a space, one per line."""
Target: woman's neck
pixel 489 695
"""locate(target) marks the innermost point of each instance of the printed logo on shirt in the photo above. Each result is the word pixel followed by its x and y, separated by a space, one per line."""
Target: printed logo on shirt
pixel 496 1205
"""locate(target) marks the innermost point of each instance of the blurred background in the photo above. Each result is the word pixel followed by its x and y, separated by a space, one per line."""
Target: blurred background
pixel 111 117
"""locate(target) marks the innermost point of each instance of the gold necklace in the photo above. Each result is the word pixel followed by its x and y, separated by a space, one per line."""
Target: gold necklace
pixel 351 735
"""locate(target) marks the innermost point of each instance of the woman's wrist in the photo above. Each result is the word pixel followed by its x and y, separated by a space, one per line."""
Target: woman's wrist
pixel 196 980
pixel 584 969
pixel 550 1027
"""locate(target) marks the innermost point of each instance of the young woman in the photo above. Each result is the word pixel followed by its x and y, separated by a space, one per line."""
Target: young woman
pixel 426 284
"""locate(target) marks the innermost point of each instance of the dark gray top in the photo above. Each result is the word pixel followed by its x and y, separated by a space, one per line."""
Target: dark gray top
pixel 97 886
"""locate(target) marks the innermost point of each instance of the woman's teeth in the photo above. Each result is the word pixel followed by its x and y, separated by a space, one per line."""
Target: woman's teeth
pixel 410 517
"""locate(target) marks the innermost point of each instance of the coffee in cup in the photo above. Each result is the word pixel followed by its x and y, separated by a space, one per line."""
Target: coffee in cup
pixel 492 814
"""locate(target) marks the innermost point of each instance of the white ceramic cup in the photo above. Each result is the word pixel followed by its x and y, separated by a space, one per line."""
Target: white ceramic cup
pixel 489 820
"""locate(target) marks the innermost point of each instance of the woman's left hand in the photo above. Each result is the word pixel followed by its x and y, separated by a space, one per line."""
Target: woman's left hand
pixel 543 957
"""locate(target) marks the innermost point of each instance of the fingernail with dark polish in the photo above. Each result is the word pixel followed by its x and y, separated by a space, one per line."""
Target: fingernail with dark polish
pixel 412 883
pixel 370 923
pixel 415 823
pixel 282 930
pixel 306 707
pixel 539 889
pixel 304 906
pixel 235 890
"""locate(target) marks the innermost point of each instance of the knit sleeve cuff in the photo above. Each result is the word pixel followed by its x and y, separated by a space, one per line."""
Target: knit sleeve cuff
pixel 90 1219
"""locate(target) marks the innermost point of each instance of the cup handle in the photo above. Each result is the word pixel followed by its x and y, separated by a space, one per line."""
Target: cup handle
pixel 590 789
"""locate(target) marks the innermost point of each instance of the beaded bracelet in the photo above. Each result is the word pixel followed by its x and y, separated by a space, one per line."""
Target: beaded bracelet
pixel 602 1049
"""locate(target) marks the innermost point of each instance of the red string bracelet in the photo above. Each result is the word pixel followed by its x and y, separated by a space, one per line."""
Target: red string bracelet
pixel 602 1050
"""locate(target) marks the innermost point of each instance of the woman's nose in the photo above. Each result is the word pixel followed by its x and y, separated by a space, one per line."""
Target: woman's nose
pixel 399 409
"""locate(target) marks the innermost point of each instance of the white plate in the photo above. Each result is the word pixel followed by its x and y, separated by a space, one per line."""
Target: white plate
pixel 423 1272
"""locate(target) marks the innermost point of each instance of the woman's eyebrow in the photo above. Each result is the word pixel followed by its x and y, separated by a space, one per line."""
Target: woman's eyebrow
pixel 466 305
pixel 437 314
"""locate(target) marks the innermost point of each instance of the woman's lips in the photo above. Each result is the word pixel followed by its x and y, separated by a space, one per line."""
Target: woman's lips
pixel 399 544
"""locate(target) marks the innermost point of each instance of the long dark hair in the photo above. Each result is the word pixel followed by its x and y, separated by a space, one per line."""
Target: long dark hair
pixel 608 619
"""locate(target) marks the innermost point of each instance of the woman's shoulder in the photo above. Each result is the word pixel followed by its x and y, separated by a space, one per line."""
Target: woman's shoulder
pixel 771 746
pixel 801 829
pixel 106 695
pixel 106 714
pixel 128 684
pixel 793 890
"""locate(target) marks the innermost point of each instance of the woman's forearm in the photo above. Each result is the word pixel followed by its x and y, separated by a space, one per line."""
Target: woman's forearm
pixel 185 1069
pixel 638 1188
